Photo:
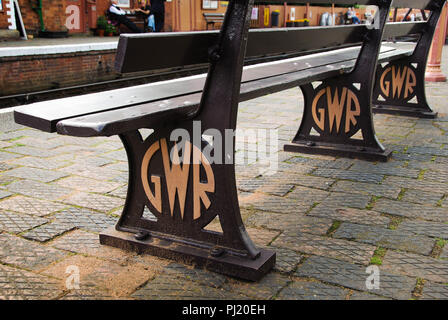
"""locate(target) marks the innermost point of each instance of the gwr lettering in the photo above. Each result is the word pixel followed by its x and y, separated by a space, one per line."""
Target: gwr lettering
pixel 335 107
pixel 397 82
pixel 176 176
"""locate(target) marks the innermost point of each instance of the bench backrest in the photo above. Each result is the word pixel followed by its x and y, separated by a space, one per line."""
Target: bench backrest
pixel 193 48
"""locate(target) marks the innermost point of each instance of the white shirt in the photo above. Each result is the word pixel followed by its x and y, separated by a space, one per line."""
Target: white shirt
pixel 117 10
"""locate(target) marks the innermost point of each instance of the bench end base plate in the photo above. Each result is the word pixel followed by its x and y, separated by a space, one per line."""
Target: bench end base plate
pixel 339 151
pixel 405 111
pixel 235 266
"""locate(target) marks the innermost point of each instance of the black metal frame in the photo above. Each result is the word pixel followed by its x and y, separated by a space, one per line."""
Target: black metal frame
pixel 401 82
pixel 340 107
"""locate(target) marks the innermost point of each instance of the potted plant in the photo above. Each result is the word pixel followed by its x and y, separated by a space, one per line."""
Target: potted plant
pixel 101 24
pixel 110 30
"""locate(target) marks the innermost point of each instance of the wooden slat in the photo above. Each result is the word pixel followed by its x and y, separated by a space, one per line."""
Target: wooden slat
pixel 169 50
pixel 132 57
pixel 44 115
pixel 415 4
pixel 127 119
pixel 399 29
pixel 285 40
pixel 256 82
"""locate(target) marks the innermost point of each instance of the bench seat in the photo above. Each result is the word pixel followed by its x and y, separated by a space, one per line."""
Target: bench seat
pixel 113 112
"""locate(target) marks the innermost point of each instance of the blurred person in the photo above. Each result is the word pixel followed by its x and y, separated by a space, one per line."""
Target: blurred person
pixel 158 10
pixel 119 15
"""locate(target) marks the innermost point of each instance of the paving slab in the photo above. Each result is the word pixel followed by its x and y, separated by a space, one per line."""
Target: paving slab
pixel 17 284
pixel 27 254
pixel 415 265
pixel 94 201
pixel 40 190
pixel 380 190
pixel 286 260
pixel 311 290
pixel 336 248
pixel 355 276
pixel 434 291
pixel 431 229
pixel 115 279
pixel 165 287
pixel 16 223
pixel 284 222
pixel 269 203
pixel 42 175
pixel 265 289
pixel 389 168
pixel 48 231
pixel 411 210
pixel 368 217
pixel 86 219
pixel 394 239
pixel 430 198
pixel 349 175
pixel 30 205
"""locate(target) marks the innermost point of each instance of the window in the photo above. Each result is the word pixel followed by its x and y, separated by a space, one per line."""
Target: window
pixel 123 3
pixel 209 4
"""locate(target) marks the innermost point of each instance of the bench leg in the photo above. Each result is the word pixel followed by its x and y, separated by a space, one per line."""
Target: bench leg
pixel 337 118
pixel 189 189
pixel 400 85
pixel 194 205
pixel 337 121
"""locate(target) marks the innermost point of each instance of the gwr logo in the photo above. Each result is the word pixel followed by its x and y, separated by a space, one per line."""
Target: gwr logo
pixel 335 106
pixel 396 82
pixel 176 176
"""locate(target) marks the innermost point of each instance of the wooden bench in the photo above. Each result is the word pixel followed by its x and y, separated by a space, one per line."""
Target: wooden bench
pixel 212 18
pixel 184 195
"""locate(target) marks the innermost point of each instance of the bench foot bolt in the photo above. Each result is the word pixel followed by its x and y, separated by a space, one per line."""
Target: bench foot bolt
pixel 217 252
pixel 142 235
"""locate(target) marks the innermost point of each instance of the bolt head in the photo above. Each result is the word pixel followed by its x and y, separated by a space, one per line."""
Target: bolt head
pixel 217 252
pixel 142 235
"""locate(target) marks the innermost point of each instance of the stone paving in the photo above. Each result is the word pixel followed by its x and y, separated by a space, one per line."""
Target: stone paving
pixel 327 218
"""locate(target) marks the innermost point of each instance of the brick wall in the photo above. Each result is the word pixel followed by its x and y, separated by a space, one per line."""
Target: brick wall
pixel 33 73
pixel 3 17
pixel 53 14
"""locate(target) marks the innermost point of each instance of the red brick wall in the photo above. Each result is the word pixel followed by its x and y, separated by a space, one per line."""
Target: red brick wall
pixel 24 74
pixel 3 17
pixel 53 14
